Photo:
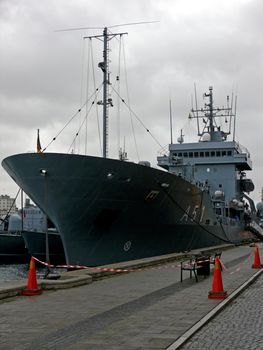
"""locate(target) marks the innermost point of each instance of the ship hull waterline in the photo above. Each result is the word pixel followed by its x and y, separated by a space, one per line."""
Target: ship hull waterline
pixel 108 210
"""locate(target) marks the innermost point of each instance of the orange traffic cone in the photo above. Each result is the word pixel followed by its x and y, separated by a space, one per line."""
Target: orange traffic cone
pixel 217 291
pixel 257 263
pixel 32 288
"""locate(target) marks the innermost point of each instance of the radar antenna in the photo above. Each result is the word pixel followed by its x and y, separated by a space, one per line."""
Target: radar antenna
pixel 209 114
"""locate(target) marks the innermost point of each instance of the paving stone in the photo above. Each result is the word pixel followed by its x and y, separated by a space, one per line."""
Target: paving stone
pixel 237 327
pixel 144 310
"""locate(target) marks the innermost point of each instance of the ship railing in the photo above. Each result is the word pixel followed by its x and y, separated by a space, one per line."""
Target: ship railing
pixel 164 151
pixel 242 149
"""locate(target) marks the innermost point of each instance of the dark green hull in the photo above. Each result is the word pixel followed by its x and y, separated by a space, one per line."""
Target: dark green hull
pixel 12 249
pixel 36 246
pixel 109 210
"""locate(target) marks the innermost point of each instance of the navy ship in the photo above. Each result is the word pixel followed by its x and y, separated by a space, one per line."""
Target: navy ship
pixel 26 233
pixel 111 210
pixel 39 232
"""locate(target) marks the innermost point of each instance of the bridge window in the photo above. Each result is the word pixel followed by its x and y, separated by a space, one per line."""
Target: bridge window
pixel 185 154
pixel 190 154
pixel 212 154
pixel 201 154
pixel 196 154
pixel 229 153
pixel 207 154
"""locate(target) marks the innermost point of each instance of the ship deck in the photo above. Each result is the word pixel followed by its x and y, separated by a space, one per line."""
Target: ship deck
pixel 147 309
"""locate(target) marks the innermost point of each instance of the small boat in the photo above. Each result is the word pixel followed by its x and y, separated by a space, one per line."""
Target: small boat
pixel 36 246
pixel 25 234
pixel 12 244
pixel 41 238
pixel 12 248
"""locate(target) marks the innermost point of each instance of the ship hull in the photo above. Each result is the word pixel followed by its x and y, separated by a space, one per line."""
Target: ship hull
pixel 108 210
pixel 12 249
pixel 36 245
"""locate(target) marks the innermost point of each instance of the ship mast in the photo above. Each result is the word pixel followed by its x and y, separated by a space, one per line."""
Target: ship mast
pixel 209 114
pixel 104 66
pixel 106 82
pixel 211 109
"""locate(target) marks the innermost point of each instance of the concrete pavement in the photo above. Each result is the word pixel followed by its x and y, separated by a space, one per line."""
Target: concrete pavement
pixel 147 310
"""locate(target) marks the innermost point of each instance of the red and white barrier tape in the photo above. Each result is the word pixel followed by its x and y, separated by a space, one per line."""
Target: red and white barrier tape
pixel 110 269
pixel 239 266
pixel 83 267
pixel 118 270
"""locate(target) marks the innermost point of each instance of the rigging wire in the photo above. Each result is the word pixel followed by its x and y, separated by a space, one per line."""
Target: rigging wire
pixel 87 94
pixel 190 243
pixel 117 82
pixel 74 115
pixel 128 98
pixel 81 84
pixel 94 84
pixel 139 120
pixel 81 125
pixel 6 216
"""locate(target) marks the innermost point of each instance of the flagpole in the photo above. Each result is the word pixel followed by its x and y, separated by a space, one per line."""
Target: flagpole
pixel 39 148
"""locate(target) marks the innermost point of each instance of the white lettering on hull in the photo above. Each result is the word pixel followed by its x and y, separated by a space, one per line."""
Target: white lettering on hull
pixel 192 214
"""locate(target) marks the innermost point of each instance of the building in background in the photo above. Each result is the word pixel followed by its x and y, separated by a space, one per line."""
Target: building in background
pixel 7 205
pixel 33 218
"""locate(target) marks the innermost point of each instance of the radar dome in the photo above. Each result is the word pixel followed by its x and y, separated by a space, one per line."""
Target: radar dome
pixel 206 137
pixel 180 139
pixel 15 223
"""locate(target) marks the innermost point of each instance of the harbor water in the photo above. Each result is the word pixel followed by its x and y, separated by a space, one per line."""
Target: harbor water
pixel 16 272
pixel 12 272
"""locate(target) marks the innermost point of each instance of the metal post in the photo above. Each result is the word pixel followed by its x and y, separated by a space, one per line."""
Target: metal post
pixel 44 173
pixel 171 121
pixel 211 110
pixel 47 243
pixel 22 211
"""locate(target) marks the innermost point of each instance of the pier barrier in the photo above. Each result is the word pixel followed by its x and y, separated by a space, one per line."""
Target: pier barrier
pixel 257 263
pixel 217 291
pixel 79 277
pixel 32 287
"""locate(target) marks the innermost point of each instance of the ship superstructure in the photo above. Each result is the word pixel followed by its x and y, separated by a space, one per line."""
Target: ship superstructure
pixel 214 164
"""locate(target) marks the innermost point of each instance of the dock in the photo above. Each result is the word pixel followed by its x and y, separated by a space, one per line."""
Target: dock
pixel 147 307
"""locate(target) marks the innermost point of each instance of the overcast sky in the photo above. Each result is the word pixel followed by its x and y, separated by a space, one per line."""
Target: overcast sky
pixel 204 42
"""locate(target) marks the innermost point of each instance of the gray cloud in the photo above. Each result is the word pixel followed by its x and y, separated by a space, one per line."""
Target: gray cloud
pixel 206 42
